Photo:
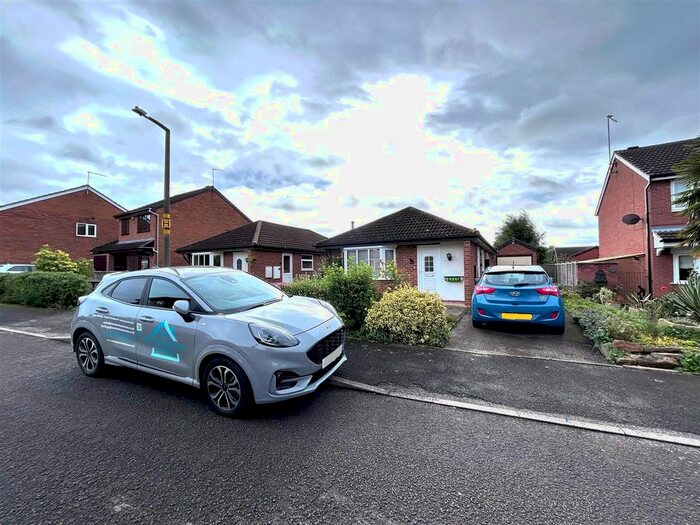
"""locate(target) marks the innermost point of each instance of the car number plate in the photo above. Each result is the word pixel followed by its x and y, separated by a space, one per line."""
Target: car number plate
pixel 520 317
pixel 335 354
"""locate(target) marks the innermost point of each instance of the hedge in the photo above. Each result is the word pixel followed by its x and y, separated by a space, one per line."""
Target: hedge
pixel 44 289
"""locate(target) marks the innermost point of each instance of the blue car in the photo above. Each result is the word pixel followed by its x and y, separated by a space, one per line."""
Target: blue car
pixel 517 294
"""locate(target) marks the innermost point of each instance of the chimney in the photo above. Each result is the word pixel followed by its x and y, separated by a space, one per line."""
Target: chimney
pixel 352 225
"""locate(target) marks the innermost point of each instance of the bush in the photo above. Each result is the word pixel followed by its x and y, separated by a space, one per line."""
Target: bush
pixel 48 260
pixel 687 297
pixel 84 267
pixel 351 292
pixel 44 289
pixel 409 316
pixel 587 289
pixel 690 362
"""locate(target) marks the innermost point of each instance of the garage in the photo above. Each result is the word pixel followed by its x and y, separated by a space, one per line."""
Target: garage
pixel 516 253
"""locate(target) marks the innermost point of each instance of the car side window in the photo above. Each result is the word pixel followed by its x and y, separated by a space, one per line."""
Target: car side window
pixel 129 290
pixel 164 293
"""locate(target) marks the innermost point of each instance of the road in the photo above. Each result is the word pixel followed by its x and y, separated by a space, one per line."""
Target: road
pixel 130 447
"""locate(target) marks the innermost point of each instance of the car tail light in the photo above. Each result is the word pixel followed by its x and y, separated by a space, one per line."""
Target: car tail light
pixel 481 311
pixel 483 290
pixel 554 315
pixel 548 290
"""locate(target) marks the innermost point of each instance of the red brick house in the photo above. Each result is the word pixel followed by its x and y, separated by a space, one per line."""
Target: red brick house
pixel 74 220
pixel 430 252
pixel 573 253
pixel 195 214
pixel 271 251
pixel 516 252
pixel 638 223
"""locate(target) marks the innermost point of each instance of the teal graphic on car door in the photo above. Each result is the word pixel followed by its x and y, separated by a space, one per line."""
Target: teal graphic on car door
pixel 165 339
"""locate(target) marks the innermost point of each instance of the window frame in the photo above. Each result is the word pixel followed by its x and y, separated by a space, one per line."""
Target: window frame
pixel 306 258
pixel 677 267
pixel 194 305
pixel 125 226
pixel 113 286
pixel 674 192
pixel 382 257
pixel 140 221
pixel 211 259
pixel 87 229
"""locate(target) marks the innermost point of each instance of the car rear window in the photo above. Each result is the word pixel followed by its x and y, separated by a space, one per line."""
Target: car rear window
pixel 516 278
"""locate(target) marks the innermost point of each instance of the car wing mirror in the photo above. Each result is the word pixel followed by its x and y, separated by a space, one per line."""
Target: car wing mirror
pixel 182 307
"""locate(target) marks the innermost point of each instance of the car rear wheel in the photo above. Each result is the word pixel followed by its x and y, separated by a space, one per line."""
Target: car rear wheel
pixel 226 387
pixel 89 355
pixel 477 324
pixel 559 330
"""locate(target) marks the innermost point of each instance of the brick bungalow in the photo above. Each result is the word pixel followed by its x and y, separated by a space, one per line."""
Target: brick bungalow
pixel 430 252
pixel 638 223
pixel 271 251
pixel 515 252
pixel 196 214
pixel 74 220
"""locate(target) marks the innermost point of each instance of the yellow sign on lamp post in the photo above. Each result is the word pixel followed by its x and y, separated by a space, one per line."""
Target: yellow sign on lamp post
pixel 166 224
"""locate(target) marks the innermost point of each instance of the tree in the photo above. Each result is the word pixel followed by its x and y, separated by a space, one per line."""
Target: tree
pixel 520 227
pixel 689 176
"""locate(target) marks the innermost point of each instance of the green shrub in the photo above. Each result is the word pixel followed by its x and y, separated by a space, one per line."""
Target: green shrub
pixel 409 316
pixel 351 292
pixel 45 289
pixel 587 289
pixel 687 297
pixel 84 267
pixel 48 260
pixel 690 362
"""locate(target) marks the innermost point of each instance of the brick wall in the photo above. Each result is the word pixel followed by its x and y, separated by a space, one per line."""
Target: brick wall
pixel 587 273
pixel 514 249
pixel 469 275
pixel 624 195
pixel 407 263
pixel 24 229
pixel 660 213
pixel 593 253
pixel 193 219
pixel 259 259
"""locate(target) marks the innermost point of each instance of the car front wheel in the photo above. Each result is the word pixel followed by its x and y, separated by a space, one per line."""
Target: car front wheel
pixel 226 387
pixel 89 355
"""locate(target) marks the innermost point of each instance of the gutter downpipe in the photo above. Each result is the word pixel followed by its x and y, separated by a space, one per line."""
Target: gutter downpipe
pixel 650 282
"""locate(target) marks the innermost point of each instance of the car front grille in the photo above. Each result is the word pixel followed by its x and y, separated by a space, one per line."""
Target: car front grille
pixel 326 345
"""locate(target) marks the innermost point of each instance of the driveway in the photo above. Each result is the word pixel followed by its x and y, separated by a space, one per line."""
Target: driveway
pixel 524 341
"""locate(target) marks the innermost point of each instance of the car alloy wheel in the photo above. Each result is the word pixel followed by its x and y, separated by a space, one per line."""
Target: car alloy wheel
pixel 88 354
pixel 223 388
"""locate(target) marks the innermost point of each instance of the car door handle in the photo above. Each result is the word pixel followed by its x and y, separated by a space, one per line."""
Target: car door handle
pixel 146 319
pixel 102 309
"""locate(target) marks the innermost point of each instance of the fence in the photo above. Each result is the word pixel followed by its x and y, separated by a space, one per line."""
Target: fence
pixel 563 274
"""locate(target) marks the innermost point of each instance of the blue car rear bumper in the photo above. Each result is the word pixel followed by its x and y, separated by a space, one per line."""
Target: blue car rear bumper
pixel 542 314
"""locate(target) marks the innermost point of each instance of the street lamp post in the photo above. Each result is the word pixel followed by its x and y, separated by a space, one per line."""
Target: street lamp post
pixel 166 185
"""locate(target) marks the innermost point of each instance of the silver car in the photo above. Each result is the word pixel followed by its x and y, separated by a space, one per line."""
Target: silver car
pixel 239 339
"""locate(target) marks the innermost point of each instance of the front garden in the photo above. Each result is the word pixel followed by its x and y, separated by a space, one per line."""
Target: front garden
pixel 661 333
pixel 401 314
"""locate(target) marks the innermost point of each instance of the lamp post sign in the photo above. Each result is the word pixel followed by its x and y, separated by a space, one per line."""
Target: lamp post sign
pixel 166 224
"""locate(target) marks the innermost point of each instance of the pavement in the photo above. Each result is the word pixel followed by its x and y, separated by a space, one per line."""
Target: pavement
pixel 524 340
pixel 131 447
pixel 49 322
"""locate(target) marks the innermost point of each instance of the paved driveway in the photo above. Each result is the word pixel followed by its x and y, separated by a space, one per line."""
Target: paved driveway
pixel 524 340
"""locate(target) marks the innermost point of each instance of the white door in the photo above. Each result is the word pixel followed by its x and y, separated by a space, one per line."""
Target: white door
pixel 287 269
pixel 239 261
pixel 514 260
pixel 428 268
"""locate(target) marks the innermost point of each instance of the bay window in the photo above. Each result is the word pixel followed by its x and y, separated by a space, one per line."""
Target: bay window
pixel 375 256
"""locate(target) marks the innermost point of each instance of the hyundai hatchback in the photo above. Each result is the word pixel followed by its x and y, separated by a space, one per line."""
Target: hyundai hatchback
pixel 517 294
pixel 237 338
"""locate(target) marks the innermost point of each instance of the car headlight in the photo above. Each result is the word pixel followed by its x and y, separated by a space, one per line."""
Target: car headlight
pixel 269 335
pixel 329 307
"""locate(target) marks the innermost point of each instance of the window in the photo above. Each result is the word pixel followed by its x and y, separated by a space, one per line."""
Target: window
pixel 682 267
pixel 428 264
pixel 287 263
pixel 83 229
pixel 143 223
pixel 125 226
pixel 677 188
pixel 516 278
pixel 207 259
pixel 307 263
pixel 376 257
pixel 129 290
pixel 239 264
pixel 164 293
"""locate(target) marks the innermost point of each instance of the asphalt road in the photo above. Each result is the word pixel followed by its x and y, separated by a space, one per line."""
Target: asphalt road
pixel 132 448
pixel 614 394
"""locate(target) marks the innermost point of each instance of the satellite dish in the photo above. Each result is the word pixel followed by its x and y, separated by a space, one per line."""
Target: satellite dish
pixel 631 218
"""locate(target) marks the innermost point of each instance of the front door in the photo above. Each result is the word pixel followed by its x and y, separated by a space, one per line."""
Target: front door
pixel 287 269
pixel 166 340
pixel 239 261
pixel 428 268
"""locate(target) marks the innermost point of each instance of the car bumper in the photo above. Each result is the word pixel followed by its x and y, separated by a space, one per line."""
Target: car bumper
pixel 300 374
pixel 541 314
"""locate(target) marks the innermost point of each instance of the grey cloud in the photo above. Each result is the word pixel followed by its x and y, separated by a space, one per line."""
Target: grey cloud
pixel 75 151
pixel 570 224
pixel 291 205
pixel 396 204
pixel 350 201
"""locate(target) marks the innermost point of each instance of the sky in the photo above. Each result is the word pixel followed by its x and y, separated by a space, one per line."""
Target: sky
pixel 323 113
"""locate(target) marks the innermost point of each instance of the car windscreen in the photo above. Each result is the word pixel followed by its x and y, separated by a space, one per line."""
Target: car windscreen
pixel 229 292
pixel 516 278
